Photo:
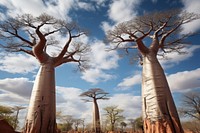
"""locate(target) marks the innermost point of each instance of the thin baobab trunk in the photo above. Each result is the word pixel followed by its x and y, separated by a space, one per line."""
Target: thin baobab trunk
pixel 159 111
pixel 96 117
pixel 95 94
pixel 113 126
pixel 41 113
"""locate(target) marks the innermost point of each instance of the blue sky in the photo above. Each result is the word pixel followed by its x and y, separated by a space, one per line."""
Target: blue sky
pixel 109 70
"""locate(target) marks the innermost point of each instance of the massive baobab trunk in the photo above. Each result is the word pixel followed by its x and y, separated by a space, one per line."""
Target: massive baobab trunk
pixel 33 36
pixel 96 117
pixel 164 29
pixel 41 114
pixel 159 111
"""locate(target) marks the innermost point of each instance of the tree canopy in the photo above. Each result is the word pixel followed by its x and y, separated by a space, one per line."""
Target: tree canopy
pixel 42 35
pixel 95 93
pixel 7 114
pixel 163 27
pixel 113 115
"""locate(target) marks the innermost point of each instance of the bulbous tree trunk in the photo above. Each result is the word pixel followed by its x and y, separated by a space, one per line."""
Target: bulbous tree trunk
pixel 159 111
pixel 96 117
pixel 41 113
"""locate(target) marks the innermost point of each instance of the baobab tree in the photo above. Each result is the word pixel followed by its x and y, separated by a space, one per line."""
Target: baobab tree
pixel 6 113
pixel 67 120
pixel 77 122
pixel 95 94
pixel 164 31
pixel 113 115
pixel 136 124
pixel 36 36
pixel 17 109
pixel 123 125
pixel 191 105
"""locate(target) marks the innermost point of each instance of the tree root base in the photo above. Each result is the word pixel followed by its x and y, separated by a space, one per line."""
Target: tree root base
pixel 161 126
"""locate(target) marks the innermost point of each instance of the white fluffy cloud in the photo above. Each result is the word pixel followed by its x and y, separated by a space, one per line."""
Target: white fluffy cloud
pixel 129 103
pixel 191 6
pixel 101 60
pixel 58 8
pixel 10 99
pixel 95 75
pixel 130 81
pixel 71 103
pixel 119 11
pixel 18 63
pixel 18 86
pixel 185 80
pixel 122 10
pixel 106 26
pixel 16 92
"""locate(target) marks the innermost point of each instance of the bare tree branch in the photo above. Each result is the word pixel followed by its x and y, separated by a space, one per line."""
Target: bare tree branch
pixel 191 105
pixel 95 93
pixel 161 27
pixel 34 35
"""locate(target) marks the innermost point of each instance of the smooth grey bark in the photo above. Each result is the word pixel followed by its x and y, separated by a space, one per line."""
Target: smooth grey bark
pixel 96 117
pixel 157 101
pixel 41 113
pixel 95 94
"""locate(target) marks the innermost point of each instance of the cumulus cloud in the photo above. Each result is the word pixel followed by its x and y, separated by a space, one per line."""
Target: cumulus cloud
pixel 130 82
pixel 71 103
pixel 100 60
pixel 100 3
pixel 191 6
pixel 129 103
pixel 16 92
pixel 57 9
pixel 185 80
pixel 85 6
pixel 12 99
pixel 18 63
pixel 95 75
pixel 106 26
pixel 123 10
pixel 120 11
pixel 18 86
